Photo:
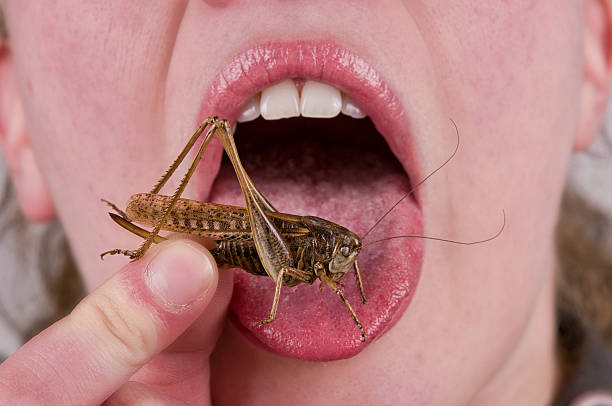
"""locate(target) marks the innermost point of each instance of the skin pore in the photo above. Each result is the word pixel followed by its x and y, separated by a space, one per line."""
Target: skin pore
pixel 98 97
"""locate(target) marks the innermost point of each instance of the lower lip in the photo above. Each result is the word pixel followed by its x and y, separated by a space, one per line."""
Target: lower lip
pixel 313 325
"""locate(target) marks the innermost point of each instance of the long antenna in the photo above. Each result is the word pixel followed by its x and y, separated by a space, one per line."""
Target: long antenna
pixel 418 184
pixel 444 239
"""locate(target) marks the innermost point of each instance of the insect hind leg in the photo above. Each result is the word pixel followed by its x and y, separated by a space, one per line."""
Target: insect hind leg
pixel 116 209
pixel 214 125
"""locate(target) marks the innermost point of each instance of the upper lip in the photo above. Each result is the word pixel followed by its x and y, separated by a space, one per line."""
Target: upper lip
pixel 263 65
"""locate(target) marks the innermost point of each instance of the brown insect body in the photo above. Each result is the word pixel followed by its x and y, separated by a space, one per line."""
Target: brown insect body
pixel 287 248
pixel 316 245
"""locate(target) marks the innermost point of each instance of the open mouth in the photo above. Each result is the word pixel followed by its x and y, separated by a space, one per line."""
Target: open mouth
pixel 321 135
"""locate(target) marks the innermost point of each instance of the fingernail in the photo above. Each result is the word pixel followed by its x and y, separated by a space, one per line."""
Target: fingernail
pixel 179 274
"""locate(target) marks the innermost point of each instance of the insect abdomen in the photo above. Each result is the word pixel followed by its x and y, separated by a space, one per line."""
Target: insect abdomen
pixel 189 216
pixel 238 254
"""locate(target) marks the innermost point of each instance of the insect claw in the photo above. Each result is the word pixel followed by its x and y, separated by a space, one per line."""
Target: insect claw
pixel 260 322
pixel 134 255
pixel 118 251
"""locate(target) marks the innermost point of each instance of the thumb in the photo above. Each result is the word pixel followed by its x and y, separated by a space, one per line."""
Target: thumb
pixel 87 356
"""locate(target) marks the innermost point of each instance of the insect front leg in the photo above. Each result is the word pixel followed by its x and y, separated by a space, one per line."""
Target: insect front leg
pixel 359 282
pixel 302 276
pixel 334 286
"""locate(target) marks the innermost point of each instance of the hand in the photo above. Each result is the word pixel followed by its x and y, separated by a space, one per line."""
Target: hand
pixel 122 343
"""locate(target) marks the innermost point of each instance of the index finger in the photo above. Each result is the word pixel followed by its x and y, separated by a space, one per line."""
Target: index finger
pixel 88 355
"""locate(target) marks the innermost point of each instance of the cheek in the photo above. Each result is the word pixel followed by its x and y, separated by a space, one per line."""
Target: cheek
pixel 511 82
pixel 96 82
pixel 510 79
pixel 518 91
pixel 91 88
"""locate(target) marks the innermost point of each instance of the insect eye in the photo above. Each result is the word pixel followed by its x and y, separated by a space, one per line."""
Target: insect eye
pixel 344 250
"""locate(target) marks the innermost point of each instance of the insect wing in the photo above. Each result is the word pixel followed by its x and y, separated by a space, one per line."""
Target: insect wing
pixel 269 243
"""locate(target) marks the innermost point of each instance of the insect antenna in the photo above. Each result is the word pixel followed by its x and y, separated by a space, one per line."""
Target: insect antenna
pixel 444 239
pixel 418 184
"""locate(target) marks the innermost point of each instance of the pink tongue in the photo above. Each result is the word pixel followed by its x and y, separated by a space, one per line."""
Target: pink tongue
pixel 349 185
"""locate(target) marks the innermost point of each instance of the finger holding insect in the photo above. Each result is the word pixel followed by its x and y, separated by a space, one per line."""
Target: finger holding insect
pixel 117 329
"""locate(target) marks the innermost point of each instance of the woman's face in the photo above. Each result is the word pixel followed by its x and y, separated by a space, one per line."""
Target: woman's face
pixel 112 90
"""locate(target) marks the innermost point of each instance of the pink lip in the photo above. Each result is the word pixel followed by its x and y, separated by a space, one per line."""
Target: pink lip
pixel 263 65
pixel 390 291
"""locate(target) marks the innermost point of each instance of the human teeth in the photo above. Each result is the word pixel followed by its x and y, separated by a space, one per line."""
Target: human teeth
pixel 280 101
pixel 350 108
pixel 320 100
pixel 250 111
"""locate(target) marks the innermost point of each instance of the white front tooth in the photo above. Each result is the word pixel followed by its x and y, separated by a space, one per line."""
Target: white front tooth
pixel 320 100
pixel 280 101
pixel 350 108
pixel 250 111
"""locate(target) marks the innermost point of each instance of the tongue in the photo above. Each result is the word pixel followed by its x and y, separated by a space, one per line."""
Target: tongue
pixel 348 181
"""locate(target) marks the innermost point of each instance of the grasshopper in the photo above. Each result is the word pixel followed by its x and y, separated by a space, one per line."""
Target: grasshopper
pixel 290 249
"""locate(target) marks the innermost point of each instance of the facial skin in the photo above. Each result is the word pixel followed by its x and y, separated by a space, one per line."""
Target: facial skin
pixel 110 90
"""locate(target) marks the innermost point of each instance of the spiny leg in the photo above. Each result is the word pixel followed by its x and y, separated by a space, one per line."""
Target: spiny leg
pixel 116 209
pixel 360 282
pixel 333 286
pixel 177 194
pixel 296 273
pixel 259 196
pixel 153 235
pixel 229 144
pixel 208 121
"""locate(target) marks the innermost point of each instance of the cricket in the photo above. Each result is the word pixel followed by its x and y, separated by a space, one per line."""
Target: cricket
pixel 289 249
